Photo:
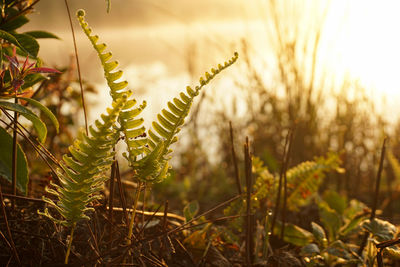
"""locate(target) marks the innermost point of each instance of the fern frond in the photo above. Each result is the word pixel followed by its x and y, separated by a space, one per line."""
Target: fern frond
pixel 130 125
pixel 111 75
pixel 168 124
pixel 304 179
pixel 82 173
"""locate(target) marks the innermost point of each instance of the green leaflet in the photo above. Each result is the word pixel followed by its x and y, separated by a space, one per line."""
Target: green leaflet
pixel 6 159
pixel 82 174
pixel 130 125
pixel 168 125
pixel 305 179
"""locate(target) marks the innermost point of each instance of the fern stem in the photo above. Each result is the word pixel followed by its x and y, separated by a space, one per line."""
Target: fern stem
pixel 79 68
pixel 134 207
pixel 71 237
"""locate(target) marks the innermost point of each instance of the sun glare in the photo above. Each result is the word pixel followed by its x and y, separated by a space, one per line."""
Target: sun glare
pixel 366 44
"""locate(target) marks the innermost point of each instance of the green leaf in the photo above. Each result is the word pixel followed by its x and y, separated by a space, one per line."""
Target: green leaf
pixel 15 23
pixel 6 162
pixel 335 201
pixel 44 109
pixel 38 124
pixel 381 230
pixel 294 234
pixel 353 223
pixel 42 34
pixel 330 219
pixel 10 38
pixel 339 249
pixel 28 43
pixel 319 233
pixel 310 250
pixel 190 210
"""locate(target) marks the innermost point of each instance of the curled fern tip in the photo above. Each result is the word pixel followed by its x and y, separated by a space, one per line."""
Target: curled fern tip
pixel 80 13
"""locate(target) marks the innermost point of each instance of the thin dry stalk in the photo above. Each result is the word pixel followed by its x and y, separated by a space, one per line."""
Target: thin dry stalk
pixel 181 227
pixel 11 241
pixel 376 196
pixel 144 201
pixel 79 68
pixel 14 155
pixel 144 225
pixel 234 159
pixel 278 197
pixel 121 191
pixel 165 218
pixel 249 226
pixel 111 203
pixel 96 246
pixel 286 164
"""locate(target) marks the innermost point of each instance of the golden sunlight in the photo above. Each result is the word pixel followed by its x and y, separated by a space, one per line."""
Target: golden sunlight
pixel 367 42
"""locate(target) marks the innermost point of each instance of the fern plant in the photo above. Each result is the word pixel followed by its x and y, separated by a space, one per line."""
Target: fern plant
pixel 83 173
pixel 303 182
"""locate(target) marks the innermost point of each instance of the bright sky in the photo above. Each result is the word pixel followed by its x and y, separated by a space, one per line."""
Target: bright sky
pixel 368 45
pixel 361 37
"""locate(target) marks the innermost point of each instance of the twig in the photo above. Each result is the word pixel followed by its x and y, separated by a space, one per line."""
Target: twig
pixel 278 197
pixel 96 247
pixel 121 191
pixel 111 203
pixel 3 210
pixel 14 155
pixel 179 228
pixel 79 68
pixel 148 221
pixel 144 202
pixel 234 159
pixel 38 200
pixel 375 203
pixel 249 227
pixel 286 164
pixel 165 217
pixel 150 213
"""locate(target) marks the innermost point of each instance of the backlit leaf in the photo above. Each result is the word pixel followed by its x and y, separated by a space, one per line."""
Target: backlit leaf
pixel 6 162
